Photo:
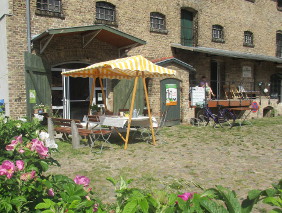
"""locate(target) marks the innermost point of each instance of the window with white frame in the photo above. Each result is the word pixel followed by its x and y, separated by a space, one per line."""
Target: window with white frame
pixel 105 11
pixel 217 33
pixel 157 21
pixel 49 7
pixel 248 39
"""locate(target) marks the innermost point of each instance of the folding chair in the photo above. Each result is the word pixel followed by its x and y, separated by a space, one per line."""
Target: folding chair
pixel 146 132
pixel 99 131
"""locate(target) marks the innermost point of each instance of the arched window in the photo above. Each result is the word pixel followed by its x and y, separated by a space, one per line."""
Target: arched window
pixel 105 11
pixel 157 21
pixel 217 33
pixel 248 39
pixel 279 44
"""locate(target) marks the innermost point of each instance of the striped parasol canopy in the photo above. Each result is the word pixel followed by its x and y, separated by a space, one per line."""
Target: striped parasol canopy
pixel 123 68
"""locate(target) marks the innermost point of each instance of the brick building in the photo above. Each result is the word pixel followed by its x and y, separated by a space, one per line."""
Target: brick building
pixel 235 42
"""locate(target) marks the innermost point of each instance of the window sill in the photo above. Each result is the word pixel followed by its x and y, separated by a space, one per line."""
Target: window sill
pixel 106 22
pixel 279 9
pixel 160 31
pixel 253 1
pixel 248 45
pixel 49 13
pixel 218 40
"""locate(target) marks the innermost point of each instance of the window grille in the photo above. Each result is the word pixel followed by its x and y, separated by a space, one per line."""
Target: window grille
pixel 217 33
pixel 105 11
pixel 248 38
pixel 157 21
pixel 49 5
pixel 279 45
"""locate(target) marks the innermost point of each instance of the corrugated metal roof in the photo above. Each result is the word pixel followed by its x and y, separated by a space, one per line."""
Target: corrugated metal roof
pixel 228 53
pixel 166 60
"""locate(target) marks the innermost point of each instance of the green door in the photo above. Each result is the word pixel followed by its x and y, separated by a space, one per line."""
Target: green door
pixel 186 28
pixel 173 113
pixel 37 78
pixel 123 94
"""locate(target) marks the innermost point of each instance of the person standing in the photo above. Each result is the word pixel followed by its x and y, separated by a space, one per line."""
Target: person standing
pixel 204 84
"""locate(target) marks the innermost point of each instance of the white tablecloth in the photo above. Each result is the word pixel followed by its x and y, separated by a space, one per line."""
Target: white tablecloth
pixel 120 122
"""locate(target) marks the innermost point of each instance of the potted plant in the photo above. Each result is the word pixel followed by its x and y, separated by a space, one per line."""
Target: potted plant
pixel 95 108
pixel 39 108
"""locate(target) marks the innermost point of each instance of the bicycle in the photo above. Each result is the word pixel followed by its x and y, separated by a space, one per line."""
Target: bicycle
pixel 224 115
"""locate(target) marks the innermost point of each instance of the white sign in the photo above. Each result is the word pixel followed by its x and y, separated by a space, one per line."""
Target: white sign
pixel 197 95
pixel 247 72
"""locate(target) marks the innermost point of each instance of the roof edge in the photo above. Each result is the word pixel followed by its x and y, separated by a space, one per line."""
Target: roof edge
pixel 228 53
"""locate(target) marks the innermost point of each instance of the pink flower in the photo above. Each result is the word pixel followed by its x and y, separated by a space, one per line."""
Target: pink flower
pixel 82 180
pixel 2 170
pixel 11 147
pixel 20 165
pixel 95 207
pixel 21 151
pixel 186 196
pixel 10 168
pixel 28 176
pixel 39 147
pixel 51 192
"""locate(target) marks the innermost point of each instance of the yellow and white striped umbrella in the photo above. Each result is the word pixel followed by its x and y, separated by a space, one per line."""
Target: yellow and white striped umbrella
pixel 123 68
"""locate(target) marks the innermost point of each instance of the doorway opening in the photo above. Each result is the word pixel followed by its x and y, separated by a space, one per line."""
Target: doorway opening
pixel 71 96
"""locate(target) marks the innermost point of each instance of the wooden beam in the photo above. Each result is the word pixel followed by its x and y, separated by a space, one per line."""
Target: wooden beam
pixel 92 94
pixel 131 109
pixel 103 93
pixel 149 110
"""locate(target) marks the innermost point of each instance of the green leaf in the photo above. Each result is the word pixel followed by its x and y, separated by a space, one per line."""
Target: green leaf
pixel 74 204
pixel 273 201
pixel 48 211
pixel 212 207
pixel 169 210
pixel 171 199
pixel 144 205
pixel 276 211
pixel 42 206
pixel 230 199
pixel 253 194
pixel 130 207
pixel 112 180
pixel 270 192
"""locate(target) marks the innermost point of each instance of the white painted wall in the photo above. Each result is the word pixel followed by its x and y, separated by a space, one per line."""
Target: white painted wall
pixel 4 92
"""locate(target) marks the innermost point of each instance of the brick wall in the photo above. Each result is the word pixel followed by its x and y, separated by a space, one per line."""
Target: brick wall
pixel 133 17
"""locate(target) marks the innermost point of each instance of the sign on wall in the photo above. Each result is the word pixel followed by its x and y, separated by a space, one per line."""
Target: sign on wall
pixel 247 72
pixel 171 94
pixel 197 95
pixel 32 96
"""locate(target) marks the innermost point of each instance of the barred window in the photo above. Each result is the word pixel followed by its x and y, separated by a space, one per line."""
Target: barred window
pixel 248 38
pixel 53 6
pixel 157 21
pixel 279 44
pixel 217 33
pixel 105 11
pixel 279 3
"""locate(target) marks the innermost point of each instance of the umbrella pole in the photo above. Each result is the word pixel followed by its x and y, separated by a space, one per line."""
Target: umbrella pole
pixel 131 109
pixel 149 110
pixel 92 94
pixel 103 93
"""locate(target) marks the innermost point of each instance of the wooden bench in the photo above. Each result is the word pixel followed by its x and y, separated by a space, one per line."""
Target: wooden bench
pixel 69 127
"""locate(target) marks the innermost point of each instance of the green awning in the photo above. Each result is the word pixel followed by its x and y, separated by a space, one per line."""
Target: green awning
pixel 101 32
pixel 227 53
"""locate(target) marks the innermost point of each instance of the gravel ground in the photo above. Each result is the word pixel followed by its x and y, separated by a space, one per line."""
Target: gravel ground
pixel 241 158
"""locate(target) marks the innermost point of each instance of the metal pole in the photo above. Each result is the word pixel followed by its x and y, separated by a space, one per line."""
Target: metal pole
pixel 28 25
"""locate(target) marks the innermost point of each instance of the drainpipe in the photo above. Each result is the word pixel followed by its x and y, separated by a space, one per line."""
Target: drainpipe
pixel 28 25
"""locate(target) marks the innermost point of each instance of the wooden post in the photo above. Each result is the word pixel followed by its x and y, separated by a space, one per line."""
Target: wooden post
pixel 103 93
pixel 75 136
pixel 92 94
pixel 149 110
pixel 131 109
